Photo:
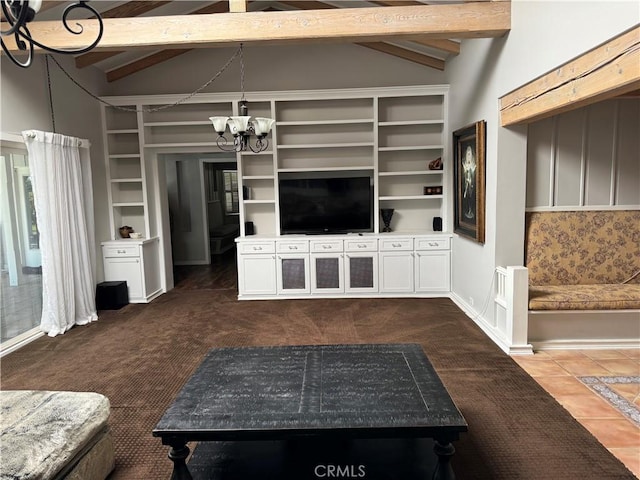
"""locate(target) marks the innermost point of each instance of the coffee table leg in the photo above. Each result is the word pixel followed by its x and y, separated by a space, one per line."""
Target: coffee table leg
pixel 443 470
pixel 178 455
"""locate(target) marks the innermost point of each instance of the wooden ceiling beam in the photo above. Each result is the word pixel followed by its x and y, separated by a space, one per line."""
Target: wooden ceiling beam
pixel 607 71
pixel 129 9
pixel 146 62
pixel 406 54
pixel 471 20
pixel 93 57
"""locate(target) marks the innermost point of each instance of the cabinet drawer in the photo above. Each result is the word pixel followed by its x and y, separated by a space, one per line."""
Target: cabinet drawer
pixel 293 246
pixel 322 246
pixel 432 244
pixel 257 247
pixel 361 245
pixel 110 251
pixel 395 244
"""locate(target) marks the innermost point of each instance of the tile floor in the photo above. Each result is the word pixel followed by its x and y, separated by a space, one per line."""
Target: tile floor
pixel 617 372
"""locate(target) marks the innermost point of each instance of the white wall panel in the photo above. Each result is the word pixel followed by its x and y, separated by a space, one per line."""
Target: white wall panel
pixel 586 158
pixel 599 156
pixel 628 154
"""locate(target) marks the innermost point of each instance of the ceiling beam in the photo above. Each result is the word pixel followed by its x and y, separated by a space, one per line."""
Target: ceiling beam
pixel 610 70
pixel 406 54
pixel 93 57
pixel 469 20
pixel 129 9
pixel 146 62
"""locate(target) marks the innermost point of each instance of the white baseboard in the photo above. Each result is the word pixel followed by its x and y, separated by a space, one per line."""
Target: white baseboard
pixel 20 341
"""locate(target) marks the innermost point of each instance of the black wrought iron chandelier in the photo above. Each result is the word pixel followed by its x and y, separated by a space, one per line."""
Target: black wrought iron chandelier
pixel 18 13
pixel 242 127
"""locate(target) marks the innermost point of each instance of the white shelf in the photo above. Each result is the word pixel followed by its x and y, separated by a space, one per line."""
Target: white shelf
pixel 325 122
pixel 126 180
pixel 177 144
pixel 410 197
pixel 125 155
pixel 121 131
pixel 409 173
pixel 327 145
pixel 128 204
pixel 411 147
pixel 411 122
pixel 258 177
pixel 186 123
pixel 249 153
pixel 260 201
pixel 324 169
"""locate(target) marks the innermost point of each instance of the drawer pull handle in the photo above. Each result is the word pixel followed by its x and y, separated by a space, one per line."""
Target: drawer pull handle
pixel 257 248
pixel 293 247
pixel 362 245
pixel 326 247
pixel 433 244
pixel 396 245
pixel 122 251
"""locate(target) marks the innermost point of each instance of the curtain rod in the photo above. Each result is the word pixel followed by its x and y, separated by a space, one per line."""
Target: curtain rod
pixel 82 142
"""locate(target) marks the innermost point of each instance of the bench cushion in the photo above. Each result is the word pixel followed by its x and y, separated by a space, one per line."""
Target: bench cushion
pixel 41 432
pixel 583 247
pixel 584 297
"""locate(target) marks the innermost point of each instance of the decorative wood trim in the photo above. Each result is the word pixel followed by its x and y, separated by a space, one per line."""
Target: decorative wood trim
pixel 606 71
pixel 473 20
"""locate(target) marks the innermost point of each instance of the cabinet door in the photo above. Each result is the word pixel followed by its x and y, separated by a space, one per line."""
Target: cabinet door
pixel 396 272
pixel 327 273
pixel 361 272
pixel 293 273
pixel 256 274
pixel 433 271
pixel 128 269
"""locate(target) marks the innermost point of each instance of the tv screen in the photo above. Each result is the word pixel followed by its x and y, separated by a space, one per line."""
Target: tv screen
pixel 325 205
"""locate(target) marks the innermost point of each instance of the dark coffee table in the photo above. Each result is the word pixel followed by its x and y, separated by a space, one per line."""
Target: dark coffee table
pixel 330 394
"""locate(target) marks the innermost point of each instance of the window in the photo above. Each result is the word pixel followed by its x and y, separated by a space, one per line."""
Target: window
pixel 231 202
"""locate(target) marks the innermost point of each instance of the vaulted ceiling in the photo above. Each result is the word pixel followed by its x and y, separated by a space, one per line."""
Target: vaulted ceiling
pixel 140 34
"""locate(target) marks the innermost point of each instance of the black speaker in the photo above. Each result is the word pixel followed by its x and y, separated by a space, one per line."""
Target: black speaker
pixel 437 224
pixel 248 228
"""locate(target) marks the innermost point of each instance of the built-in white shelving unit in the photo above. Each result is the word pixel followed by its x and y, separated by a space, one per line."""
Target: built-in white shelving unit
pixel 390 134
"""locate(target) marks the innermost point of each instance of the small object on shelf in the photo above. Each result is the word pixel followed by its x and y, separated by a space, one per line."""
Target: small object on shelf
pixel 437 224
pixel 436 164
pixel 125 231
pixel 387 214
pixel 246 192
pixel 436 190
pixel 135 235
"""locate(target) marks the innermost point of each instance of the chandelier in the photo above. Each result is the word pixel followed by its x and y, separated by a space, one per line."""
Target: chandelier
pixel 242 127
pixel 20 12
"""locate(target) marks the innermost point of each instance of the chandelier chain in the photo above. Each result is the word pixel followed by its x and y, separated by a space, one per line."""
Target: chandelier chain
pixel 161 107
pixel 53 115
pixel 241 52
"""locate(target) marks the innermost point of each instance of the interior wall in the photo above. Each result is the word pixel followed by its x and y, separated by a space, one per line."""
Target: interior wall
pixel 24 105
pixel 586 158
pixel 543 36
pixel 301 67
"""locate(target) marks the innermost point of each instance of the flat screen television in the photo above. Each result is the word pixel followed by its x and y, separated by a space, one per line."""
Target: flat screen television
pixel 313 205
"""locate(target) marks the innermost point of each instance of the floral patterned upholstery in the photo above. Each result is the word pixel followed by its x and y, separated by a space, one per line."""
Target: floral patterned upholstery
pixel 583 260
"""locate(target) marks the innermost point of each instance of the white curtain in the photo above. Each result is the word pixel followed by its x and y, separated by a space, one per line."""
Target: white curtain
pixel 63 194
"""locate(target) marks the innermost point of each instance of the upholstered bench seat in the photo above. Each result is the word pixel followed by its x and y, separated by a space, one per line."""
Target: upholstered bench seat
pixel 584 297
pixel 55 435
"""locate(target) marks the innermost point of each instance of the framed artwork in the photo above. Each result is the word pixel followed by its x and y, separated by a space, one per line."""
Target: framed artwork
pixel 469 181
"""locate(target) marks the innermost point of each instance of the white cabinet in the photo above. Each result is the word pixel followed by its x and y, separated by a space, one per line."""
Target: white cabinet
pixel 293 266
pixel 327 266
pixel 396 263
pixel 256 268
pixel 136 262
pixel 433 265
pixel 368 265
